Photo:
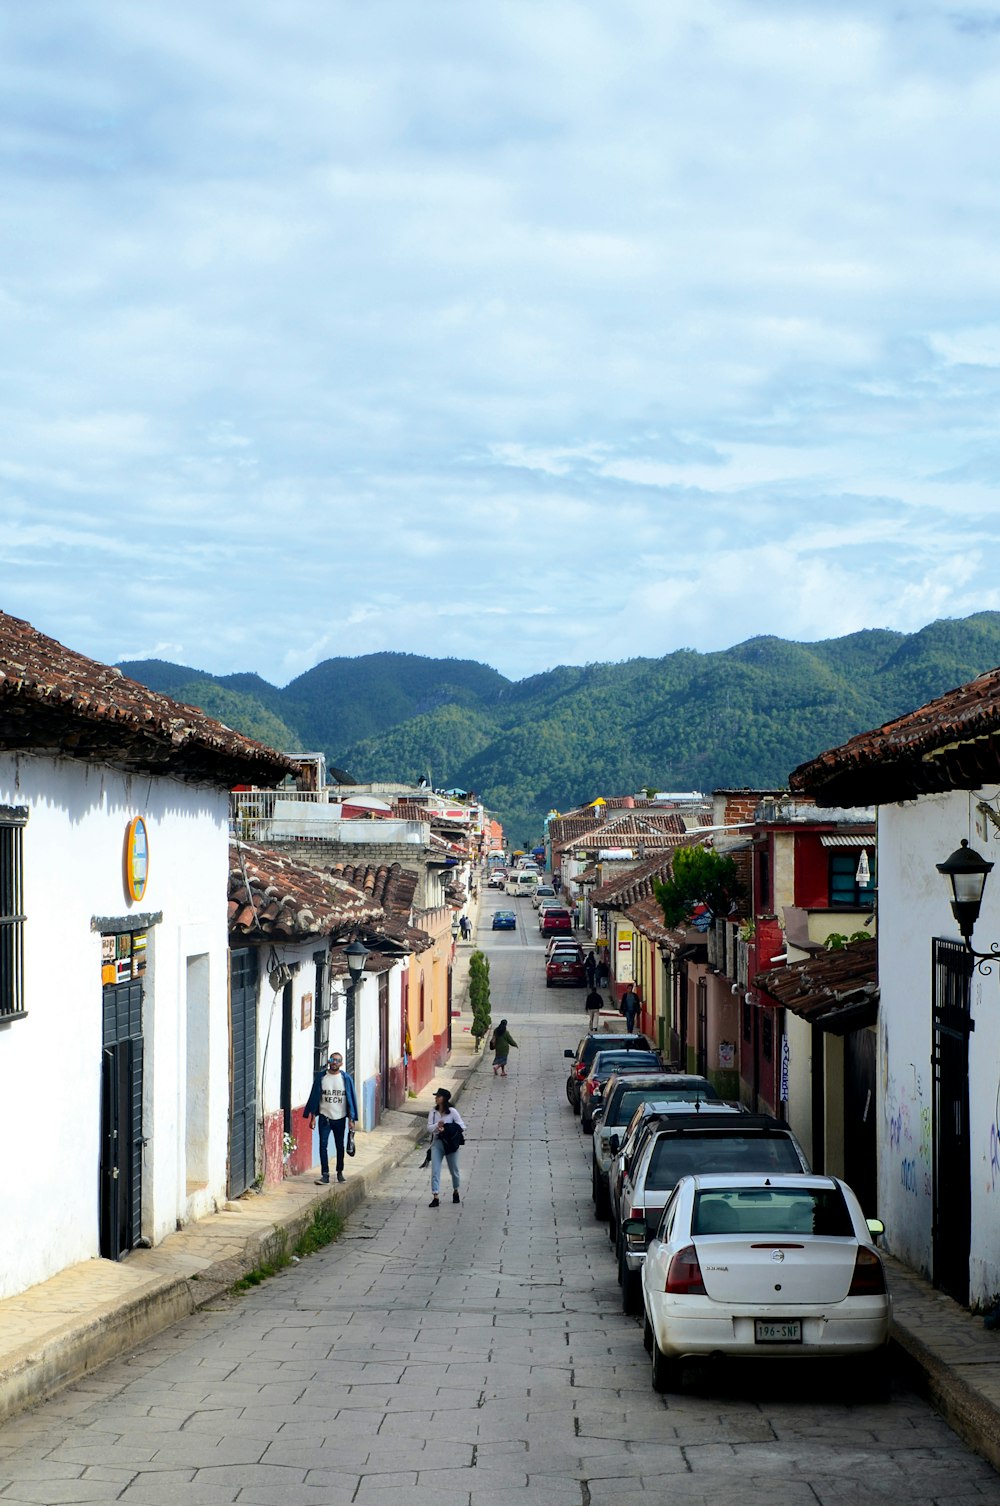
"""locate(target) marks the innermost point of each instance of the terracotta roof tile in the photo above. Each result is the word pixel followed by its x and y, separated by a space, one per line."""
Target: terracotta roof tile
pixel 838 989
pixel 952 742
pixel 389 885
pixel 270 895
pixel 54 699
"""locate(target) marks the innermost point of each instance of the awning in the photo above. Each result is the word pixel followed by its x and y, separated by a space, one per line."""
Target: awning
pixel 837 990
pixel 847 839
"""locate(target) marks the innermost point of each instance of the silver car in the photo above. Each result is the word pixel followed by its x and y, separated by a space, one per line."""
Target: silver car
pixel 622 1096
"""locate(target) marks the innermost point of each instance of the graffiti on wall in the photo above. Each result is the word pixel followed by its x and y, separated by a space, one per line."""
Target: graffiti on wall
pixel 908 1126
pixel 994 1176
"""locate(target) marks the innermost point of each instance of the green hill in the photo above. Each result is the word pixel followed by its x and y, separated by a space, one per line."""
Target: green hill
pixel 743 716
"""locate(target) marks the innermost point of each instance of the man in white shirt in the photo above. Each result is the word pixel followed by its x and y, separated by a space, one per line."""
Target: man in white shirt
pixel 333 1098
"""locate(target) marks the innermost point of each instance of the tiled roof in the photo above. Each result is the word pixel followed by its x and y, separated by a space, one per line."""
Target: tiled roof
pixel 388 885
pixel 836 990
pixel 404 810
pixel 647 917
pixel 635 884
pixel 952 742
pixel 270 895
pixel 632 829
pixel 55 700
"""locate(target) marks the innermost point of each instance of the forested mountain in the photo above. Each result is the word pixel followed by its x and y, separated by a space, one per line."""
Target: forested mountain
pixel 743 716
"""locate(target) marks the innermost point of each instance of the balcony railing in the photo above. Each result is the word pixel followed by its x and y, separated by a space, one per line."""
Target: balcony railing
pixel 309 815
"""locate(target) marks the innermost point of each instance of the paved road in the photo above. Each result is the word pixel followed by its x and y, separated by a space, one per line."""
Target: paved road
pixel 473 1356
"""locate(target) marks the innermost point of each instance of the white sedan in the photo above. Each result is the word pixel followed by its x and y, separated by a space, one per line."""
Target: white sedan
pixel 779 1266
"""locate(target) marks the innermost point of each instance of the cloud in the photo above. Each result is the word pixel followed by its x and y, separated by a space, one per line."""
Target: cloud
pixel 534 334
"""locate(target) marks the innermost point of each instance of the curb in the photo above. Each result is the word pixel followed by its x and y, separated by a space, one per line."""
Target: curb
pixel 111 1327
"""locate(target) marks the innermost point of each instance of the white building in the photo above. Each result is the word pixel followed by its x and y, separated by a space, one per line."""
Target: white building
pixel 114 1039
pixel 935 777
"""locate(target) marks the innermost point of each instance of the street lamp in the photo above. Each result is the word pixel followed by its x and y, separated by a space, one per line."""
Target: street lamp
pixel 967 872
pixel 356 954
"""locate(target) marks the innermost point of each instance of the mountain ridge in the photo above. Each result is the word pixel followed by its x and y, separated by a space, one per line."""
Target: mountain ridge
pixel 742 716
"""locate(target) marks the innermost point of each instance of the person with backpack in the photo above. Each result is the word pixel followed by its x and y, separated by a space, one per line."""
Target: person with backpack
pixel 500 1043
pixel 447 1131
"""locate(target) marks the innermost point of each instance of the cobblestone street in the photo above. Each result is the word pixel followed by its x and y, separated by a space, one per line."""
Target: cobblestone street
pixel 469 1356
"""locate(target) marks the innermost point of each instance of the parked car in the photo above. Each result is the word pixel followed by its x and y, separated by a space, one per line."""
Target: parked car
pixel 556 920
pixel 604 1066
pixel 588 1048
pixel 497 879
pixel 708 1283
pixel 565 967
pixel 562 941
pixel 544 891
pixel 549 904
pixel 622 1096
pixel 706 1143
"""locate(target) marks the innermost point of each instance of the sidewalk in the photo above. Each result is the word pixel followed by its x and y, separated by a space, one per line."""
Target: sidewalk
pixel 58 1331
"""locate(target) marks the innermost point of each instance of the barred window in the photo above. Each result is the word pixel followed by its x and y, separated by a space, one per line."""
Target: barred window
pixel 12 820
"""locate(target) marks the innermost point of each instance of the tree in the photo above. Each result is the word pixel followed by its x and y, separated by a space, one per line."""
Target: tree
pixel 479 996
pixel 700 877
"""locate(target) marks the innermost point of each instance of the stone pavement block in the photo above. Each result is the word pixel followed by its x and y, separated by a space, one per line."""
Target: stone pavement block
pixel 63 1492
pixel 158 1490
pixel 373 1493
pixel 480 1477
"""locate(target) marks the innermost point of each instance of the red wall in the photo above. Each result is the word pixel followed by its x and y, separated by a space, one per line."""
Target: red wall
pixel 812 883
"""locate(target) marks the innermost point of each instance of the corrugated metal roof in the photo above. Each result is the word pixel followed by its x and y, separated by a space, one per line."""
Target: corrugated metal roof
pixel 847 839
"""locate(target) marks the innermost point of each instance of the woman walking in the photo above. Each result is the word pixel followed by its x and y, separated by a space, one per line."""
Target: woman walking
pixel 500 1045
pixel 447 1131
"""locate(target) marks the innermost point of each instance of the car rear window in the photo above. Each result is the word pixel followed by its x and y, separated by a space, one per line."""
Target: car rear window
pixel 627 1100
pixel 771 1210
pixel 620 1060
pixel 691 1154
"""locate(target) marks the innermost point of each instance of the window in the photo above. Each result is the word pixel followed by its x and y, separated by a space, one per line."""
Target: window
pixel 845 891
pixel 12 821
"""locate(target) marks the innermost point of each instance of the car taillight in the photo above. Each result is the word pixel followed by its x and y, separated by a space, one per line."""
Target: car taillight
pixel 580 1070
pixel 869 1277
pixel 684 1277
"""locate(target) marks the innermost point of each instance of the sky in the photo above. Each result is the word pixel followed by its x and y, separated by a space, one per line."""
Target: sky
pixel 525 331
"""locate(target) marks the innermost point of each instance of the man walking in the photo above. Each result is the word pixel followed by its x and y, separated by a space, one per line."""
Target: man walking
pixel 593 1003
pixel 333 1098
pixel 630 1007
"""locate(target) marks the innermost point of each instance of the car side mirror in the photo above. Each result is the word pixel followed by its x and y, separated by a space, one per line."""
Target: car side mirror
pixel 569 1054
pixel 875 1227
pixel 614 1144
pixel 634 1228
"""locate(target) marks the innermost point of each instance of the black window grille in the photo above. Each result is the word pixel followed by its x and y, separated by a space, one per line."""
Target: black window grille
pixel 12 821
pixel 767 1035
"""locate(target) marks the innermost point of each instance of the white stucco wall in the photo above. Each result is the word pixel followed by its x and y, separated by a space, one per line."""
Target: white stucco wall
pixel 914 907
pixel 50 1062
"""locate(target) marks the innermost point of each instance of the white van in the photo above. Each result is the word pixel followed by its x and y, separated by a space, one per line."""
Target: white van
pixel 522 883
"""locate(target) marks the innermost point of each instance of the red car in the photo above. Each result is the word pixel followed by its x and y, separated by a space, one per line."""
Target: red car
pixel 556 920
pixel 565 967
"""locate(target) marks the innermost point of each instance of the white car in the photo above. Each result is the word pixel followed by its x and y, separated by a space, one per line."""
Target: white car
pixel 780 1267
pixel 544 891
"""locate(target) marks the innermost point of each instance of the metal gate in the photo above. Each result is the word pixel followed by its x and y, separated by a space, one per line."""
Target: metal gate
pixel 953 1025
pixel 383 1038
pixel 242 1069
pixel 701 1006
pixel 860 1149
pixel 120 1172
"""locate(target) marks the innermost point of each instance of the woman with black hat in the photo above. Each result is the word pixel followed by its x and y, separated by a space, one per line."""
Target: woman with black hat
pixel 447 1131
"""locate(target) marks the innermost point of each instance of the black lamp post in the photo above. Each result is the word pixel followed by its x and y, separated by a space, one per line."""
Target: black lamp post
pixel 356 954
pixel 967 872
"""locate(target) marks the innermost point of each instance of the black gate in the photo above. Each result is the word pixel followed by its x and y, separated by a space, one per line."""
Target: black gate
pixel 243 1069
pixel 120 1171
pixel 701 1007
pixel 860 1150
pixel 349 1027
pixel 953 1025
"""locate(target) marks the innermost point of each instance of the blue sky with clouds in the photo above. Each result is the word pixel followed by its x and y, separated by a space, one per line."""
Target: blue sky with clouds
pixel 529 331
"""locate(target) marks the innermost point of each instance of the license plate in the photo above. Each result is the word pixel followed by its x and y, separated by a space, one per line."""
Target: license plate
pixel 777 1333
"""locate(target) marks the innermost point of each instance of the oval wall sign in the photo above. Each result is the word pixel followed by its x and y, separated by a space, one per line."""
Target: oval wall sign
pixel 136 858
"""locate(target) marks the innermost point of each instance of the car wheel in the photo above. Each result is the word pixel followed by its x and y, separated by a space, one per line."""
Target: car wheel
pixel 548 983
pixel 666 1374
pixel 647 1333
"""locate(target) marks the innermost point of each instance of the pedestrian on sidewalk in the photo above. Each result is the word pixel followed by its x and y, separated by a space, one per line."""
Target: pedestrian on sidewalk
pixel 333 1098
pixel 500 1044
pixel 630 1008
pixel 593 1003
pixel 447 1132
pixel 465 925
pixel 602 971
pixel 590 968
